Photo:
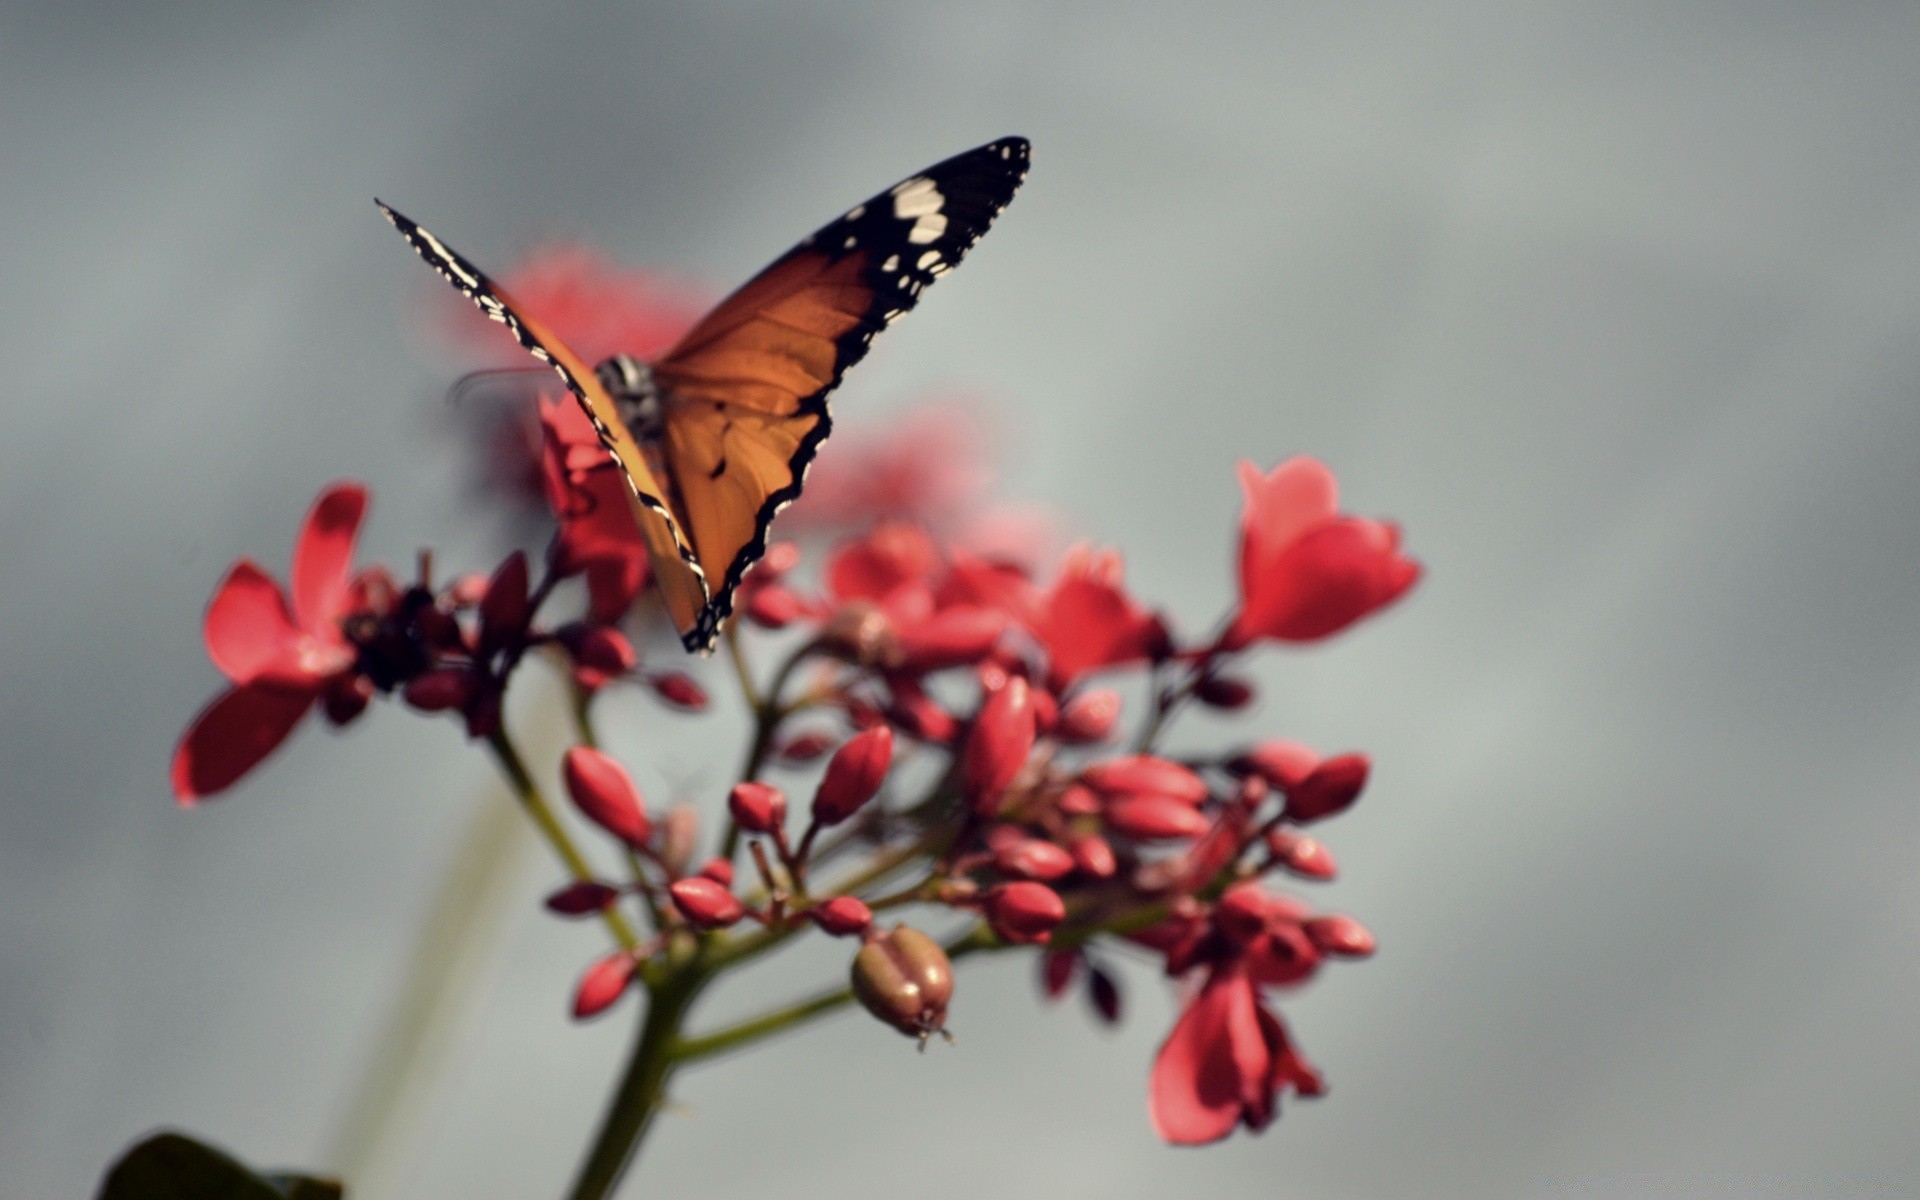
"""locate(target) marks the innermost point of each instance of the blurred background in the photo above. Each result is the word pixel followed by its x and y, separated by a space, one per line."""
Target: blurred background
pixel 1612 305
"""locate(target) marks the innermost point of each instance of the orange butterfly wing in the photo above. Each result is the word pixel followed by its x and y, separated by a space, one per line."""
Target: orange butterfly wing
pixel 745 391
pixel 676 568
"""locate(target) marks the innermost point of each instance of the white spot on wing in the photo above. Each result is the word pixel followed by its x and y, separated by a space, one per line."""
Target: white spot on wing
pixel 928 228
pixel 892 263
pixel 928 259
pixel 855 213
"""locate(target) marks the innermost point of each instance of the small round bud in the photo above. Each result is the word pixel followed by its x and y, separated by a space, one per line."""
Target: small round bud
pixel 1024 912
pixel 805 747
pixel 903 977
pixel 1032 858
pixel 1089 717
pixel 1332 787
pixel 719 870
pixel 706 902
pixel 757 807
pixel 1094 856
pixel 773 607
pixel 603 983
pixel 582 897
pixel 998 746
pixel 1103 992
pixel 1224 692
pixel 679 689
pixel 842 916
pixel 1154 818
pixel 1304 856
pixel 440 689
pixel 1341 936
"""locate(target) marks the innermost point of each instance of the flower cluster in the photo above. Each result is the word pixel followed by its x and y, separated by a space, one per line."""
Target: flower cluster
pixel 952 722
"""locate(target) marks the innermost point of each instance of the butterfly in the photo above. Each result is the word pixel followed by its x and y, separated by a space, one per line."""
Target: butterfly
pixel 714 437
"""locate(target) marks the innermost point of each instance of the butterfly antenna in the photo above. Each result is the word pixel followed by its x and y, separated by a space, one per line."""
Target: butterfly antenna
pixel 472 379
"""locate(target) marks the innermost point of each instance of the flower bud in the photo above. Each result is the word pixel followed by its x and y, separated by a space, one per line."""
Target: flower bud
pixel 1151 818
pixel 719 870
pixel 1144 774
pixel 1094 856
pixel 603 983
pixel 757 807
pixel 842 916
pixel 1024 912
pixel 953 637
pixel 1302 855
pixel 1046 710
pixel 903 977
pixel 1341 936
pixel 1089 717
pixel 346 697
pixel 1278 761
pixel 600 649
pixel 1077 800
pixel 679 835
pixel 1334 785
pixel 780 558
pixel 772 607
pixel 1224 692
pixel 1057 969
pixel 582 897
pixel 605 793
pixel 1032 858
pixel 1244 912
pixel 439 690
pixel 998 746
pixel 679 689
pixel 805 747
pixel 503 610
pixel 854 775
pixel 706 902
pixel 1103 992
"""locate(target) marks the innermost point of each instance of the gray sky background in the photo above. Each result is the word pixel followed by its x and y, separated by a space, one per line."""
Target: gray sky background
pixel 1613 305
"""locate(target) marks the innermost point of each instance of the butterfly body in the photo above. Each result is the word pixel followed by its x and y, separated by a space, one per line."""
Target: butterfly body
pixel 715 436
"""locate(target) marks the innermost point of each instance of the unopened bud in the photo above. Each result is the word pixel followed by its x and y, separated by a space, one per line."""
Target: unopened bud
pixel 503 610
pixel 1089 717
pixel 602 789
pixel 1334 785
pixel 1304 856
pixel 1153 818
pixel 772 607
pixel 719 870
pixel 603 983
pixel 843 916
pixel 1032 858
pixel 1340 936
pixel 440 689
pixel 853 775
pixel 805 747
pixel 1224 692
pixel 582 897
pixel 1144 774
pixel 757 807
pixel 1024 912
pixel 679 833
pixel 706 902
pixel 860 632
pixel 601 649
pixel 679 689
pixel 1103 992
pixel 903 977
pixel 1094 856
pixel 998 746
pixel 1278 761
pixel 1057 969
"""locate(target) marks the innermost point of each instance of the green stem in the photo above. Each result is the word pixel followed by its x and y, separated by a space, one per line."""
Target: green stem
pixel 642 1089
pixel 528 793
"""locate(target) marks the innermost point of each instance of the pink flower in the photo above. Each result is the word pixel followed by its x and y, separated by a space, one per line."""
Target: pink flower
pixel 599 308
pixel 279 658
pixel 1306 571
pixel 927 467
pixel 1225 1063
pixel 598 533
pixel 1088 622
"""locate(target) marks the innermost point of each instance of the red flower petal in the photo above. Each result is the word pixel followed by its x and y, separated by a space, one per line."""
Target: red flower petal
pixel 322 555
pixel 1211 1065
pixel 1087 621
pixel 232 735
pixel 248 630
